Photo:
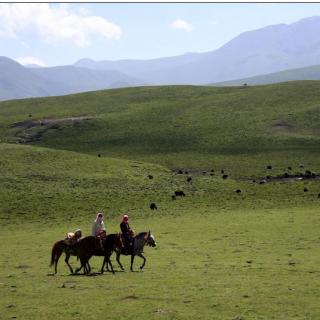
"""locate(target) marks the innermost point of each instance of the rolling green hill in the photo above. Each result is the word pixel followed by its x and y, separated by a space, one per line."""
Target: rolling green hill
pixel 184 126
pixel 71 143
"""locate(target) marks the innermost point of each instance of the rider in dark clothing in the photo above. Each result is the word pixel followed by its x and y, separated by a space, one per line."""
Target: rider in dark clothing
pixel 126 233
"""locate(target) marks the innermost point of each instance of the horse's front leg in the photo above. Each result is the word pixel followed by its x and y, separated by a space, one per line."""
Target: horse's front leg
pixel 118 260
pixel 132 259
pixel 78 269
pixel 83 264
pixel 67 262
pixel 107 261
pixel 103 264
pixel 144 260
pixel 110 263
pixel 88 266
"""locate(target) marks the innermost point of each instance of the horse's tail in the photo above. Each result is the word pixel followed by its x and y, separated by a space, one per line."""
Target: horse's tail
pixel 56 252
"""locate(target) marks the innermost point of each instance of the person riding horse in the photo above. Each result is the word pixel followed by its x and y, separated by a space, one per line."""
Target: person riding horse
pixel 98 227
pixel 73 237
pixel 127 234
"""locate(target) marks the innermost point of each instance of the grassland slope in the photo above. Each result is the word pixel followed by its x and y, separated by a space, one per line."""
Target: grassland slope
pixel 177 126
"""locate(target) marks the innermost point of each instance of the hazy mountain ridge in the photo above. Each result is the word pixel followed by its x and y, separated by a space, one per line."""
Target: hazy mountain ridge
pixel 17 81
pixel 253 53
pixel 266 50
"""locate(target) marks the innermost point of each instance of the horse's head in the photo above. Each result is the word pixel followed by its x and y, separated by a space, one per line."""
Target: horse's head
pixel 150 239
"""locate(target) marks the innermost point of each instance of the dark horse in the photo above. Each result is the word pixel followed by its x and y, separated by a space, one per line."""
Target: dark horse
pixel 93 246
pixel 140 240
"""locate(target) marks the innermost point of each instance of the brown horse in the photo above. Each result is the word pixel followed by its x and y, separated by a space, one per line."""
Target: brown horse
pixel 58 249
pixel 90 244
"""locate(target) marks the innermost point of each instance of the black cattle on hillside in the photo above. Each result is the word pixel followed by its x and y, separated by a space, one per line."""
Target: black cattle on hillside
pixel 179 193
pixel 225 176
pixel 153 206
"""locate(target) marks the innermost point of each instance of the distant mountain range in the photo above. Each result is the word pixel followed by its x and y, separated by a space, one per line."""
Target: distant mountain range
pixel 17 81
pixel 269 50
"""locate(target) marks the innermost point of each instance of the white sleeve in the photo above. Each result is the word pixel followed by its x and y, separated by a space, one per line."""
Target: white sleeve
pixel 93 229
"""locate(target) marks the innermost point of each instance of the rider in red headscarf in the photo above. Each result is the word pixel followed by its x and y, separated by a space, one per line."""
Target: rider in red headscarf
pixel 127 232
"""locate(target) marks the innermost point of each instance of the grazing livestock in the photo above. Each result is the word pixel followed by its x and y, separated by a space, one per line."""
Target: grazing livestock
pixel 150 176
pixel 189 179
pixel 180 172
pixel 173 197
pixel 153 206
pixel 308 173
pixel 179 193
pixel 318 195
pixel 99 155
pixel 222 171
pixel 269 167
pixel 225 176
pixel 238 191
pixel 305 189
pixel 289 168
pixel 263 181
pixel 204 172
pixel 186 172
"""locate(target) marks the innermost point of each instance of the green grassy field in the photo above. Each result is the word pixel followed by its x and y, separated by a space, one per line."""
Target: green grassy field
pixel 220 255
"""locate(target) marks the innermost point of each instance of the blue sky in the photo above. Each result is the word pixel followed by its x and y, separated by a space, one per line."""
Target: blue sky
pixel 57 34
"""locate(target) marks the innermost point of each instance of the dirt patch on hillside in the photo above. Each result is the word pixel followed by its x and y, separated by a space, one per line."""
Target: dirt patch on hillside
pixel 33 130
pixel 48 122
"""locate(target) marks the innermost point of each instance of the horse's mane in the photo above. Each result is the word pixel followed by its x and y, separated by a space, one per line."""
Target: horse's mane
pixel 141 233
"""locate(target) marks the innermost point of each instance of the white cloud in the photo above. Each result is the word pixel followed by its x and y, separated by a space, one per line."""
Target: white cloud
pixel 31 60
pixel 181 24
pixel 54 23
